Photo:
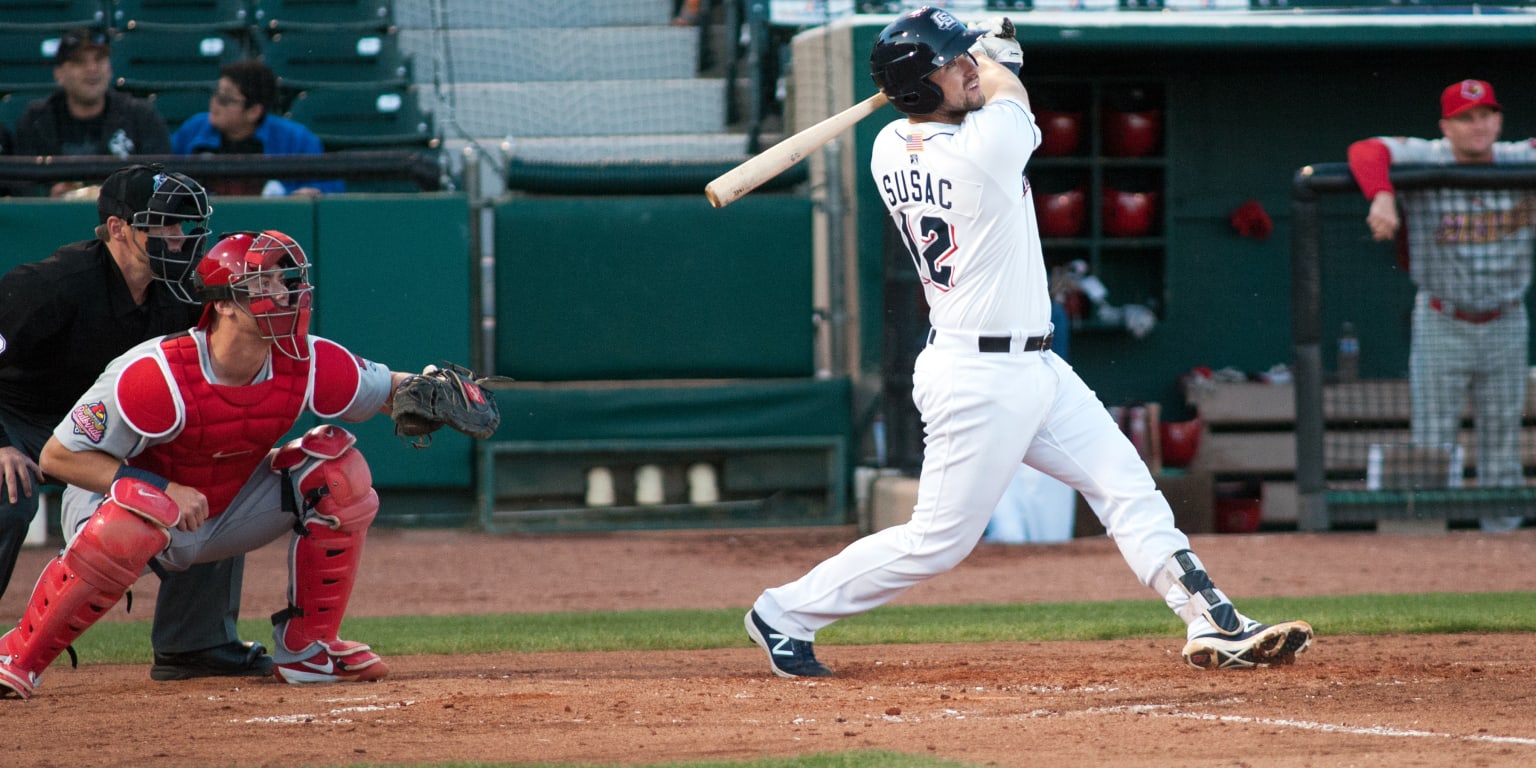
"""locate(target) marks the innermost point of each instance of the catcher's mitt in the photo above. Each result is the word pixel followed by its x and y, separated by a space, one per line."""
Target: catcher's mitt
pixel 450 395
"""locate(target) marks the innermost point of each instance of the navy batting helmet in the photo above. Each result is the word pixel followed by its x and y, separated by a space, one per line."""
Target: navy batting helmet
pixel 912 48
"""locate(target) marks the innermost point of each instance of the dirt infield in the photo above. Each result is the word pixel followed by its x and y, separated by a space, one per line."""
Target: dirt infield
pixel 1399 701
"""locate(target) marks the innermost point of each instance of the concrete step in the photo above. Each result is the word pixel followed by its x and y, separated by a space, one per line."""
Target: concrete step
pixel 695 147
pixel 542 55
pixel 526 14
pixel 640 107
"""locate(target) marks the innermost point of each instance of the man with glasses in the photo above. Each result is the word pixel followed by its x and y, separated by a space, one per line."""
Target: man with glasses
pixel 61 321
pixel 241 120
pixel 85 116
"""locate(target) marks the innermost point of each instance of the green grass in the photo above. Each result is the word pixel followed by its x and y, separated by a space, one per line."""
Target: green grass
pixel 128 642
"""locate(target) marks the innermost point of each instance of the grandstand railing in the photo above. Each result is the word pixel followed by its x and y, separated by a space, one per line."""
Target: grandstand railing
pixel 421 168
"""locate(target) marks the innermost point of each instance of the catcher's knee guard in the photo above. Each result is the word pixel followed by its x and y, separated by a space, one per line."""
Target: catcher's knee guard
pixel 1188 589
pixel 79 586
pixel 339 504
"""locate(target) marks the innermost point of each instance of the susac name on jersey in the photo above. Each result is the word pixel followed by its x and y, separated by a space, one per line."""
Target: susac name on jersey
pixel 917 186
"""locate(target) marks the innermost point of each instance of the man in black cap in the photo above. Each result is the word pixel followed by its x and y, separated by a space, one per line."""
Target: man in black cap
pixel 62 320
pixel 85 116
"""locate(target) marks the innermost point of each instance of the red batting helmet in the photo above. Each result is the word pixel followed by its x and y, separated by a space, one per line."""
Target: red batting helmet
pixel 1061 132
pixel 1061 214
pixel 267 274
pixel 1132 134
pixel 1129 214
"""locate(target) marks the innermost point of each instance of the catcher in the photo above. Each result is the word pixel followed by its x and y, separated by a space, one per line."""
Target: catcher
pixel 169 457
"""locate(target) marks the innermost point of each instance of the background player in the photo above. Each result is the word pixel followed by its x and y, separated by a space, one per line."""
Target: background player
pixel 990 391
pixel 169 457
pixel 62 320
pixel 1470 256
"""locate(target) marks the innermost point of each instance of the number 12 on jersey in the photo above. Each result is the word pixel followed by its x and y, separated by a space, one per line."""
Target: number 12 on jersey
pixel 931 245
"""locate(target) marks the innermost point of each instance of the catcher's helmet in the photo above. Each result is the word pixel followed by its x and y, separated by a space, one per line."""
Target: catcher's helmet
pixel 912 48
pixel 267 274
pixel 153 200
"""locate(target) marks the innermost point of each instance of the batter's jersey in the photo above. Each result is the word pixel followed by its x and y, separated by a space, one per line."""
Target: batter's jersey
pixel 1472 248
pixel 337 384
pixel 959 198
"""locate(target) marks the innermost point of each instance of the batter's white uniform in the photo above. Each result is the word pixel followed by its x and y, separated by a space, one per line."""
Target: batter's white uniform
pixel 958 195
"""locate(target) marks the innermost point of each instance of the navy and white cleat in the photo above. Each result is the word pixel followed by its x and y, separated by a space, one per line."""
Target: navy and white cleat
pixel 1257 645
pixel 787 656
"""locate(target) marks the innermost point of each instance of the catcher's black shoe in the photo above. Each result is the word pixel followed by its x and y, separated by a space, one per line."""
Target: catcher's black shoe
pixel 1256 645
pixel 787 656
pixel 232 659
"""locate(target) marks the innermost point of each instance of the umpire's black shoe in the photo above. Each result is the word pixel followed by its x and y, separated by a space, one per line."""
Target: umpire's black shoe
pixel 232 659
pixel 787 656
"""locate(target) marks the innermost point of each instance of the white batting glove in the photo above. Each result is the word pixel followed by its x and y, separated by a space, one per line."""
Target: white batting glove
pixel 999 44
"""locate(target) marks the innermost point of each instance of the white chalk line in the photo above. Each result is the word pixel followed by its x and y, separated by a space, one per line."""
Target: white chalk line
pixel 337 715
pixel 1161 710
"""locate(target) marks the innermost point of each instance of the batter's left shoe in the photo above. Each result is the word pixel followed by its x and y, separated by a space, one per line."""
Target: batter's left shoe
pixel 1257 645
pixel 787 656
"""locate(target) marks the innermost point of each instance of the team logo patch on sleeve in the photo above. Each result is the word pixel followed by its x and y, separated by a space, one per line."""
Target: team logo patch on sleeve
pixel 90 419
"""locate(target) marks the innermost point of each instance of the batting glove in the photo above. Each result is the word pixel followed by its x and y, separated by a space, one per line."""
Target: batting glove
pixel 999 43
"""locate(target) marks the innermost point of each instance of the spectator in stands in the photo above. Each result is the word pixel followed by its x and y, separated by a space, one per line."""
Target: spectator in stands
pixel 84 116
pixel 1469 254
pixel 241 120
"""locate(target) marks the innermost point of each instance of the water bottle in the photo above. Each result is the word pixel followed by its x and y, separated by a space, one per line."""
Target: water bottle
pixel 1349 353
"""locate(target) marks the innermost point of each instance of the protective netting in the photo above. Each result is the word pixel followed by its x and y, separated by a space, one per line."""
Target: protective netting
pixel 1424 346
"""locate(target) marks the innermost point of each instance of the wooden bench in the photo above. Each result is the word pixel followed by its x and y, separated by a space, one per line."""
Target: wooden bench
pixel 1249 433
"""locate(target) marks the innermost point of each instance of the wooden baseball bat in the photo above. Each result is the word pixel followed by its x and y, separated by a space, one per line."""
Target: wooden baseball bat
pixel 737 182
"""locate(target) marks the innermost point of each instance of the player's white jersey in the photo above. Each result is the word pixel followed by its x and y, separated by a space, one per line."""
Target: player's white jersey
pixel 1470 247
pixel 962 204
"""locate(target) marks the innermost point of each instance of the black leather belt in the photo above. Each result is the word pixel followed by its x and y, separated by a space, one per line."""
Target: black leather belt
pixel 1004 344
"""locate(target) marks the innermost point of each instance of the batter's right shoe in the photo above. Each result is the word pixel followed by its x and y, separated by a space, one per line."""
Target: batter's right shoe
pixel 787 656
pixel 340 661
pixel 1258 644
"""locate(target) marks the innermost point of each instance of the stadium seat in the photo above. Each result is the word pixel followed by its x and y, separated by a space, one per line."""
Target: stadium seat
pixel 157 58
pixel 51 14
pixel 14 103
pixel 306 59
pixel 375 15
pixel 177 103
pixel 364 117
pixel 26 57
pixel 220 15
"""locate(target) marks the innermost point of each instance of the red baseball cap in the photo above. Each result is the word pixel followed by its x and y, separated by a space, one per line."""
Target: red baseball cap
pixel 1460 97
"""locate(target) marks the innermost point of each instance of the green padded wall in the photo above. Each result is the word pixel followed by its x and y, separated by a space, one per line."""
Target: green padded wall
pixel 34 228
pixel 653 287
pixel 393 285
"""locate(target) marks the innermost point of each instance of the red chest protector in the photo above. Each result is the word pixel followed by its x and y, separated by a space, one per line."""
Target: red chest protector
pixel 225 432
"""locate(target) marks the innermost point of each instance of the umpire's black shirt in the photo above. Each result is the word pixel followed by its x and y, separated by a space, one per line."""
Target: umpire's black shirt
pixel 63 319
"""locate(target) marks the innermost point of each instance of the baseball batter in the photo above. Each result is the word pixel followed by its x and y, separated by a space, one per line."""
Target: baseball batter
pixel 990 391
pixel 1470 255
